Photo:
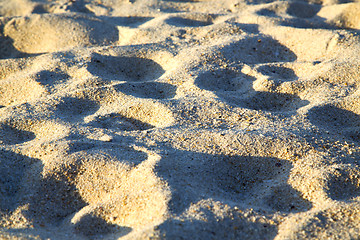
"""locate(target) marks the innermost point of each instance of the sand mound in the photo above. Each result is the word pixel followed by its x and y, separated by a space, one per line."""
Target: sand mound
pixel 349 17
pixel 44 32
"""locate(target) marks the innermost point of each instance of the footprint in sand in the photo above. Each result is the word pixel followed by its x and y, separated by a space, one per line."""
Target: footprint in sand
pixel 7 49
pixel 50 77
pixel 128 114
pixel 191 20
pixel 273 102
pixel 11 135
pixel 101 188
pixel 119 123
pixel 236 88
pixel 257 50
pixel 53 197
pixel 89 216
pixel 138 75
pixel 336 221
pixel 224 80
pixel 122 68
pixel 343 183
pixel 278 72
pixel 242 181
pixel 72 108
pixel 134 115
pixel 238 178
pixel 134 76
pixel 153 90
pixel 126 83
pixel 13 168
pixel 343 118
pixel 294 9
pixel 266 175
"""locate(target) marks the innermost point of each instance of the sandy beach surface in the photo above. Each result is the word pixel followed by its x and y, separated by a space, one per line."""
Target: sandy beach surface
pixel 179 119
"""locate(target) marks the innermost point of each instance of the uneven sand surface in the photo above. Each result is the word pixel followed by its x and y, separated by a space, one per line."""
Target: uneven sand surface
pixel 179 119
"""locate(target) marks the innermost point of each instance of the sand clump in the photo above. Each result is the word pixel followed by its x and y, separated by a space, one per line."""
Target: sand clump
pixel 179 119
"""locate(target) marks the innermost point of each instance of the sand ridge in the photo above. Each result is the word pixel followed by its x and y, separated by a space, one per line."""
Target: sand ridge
pixel 171 119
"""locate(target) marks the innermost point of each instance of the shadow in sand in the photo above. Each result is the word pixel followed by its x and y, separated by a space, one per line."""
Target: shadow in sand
pixel 256 50
pixel 185 22
pixel 314 23
pixel 7 49
pixel 118 122
pixel 235 227
pixel 12 135
pixel 74 108
pixel 300 10
pixel 334 119
pixel 111 150
pixel 54 198
pixel 155 90
pixel 180 0
pixel 69 6
pixel 301 15
pixel 131 69
pixel 273 102
pixel 46 77
pixel 236 88
pixel 224 80
pixel 13 168
pixel 232 178
pixel 303 9
pixel 94 227
pixel 344 184
pixel 278 73
pixel 137 72
pixel 131 21
pixel 243 181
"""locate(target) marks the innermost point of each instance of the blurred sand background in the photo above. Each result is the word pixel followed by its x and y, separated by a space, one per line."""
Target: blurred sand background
pixel 179 119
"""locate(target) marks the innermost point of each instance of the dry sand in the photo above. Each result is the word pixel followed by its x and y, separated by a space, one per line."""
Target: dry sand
pixel 179 119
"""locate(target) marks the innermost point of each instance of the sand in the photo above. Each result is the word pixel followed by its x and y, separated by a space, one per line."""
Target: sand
pixel 179 119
